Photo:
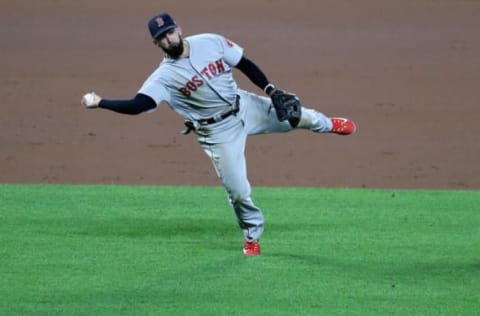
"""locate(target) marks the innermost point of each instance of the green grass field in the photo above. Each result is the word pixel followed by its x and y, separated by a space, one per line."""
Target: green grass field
pixel 118 250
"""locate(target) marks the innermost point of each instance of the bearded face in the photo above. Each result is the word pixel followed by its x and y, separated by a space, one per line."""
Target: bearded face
pixel 171 42
pixel 174 50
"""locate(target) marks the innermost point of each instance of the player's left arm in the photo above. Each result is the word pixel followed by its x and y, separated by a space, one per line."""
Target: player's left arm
pixel 254 73
pixel 287 105
pixel 234 56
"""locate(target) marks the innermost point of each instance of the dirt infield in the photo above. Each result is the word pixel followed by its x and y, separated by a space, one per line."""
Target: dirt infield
pixel 407 72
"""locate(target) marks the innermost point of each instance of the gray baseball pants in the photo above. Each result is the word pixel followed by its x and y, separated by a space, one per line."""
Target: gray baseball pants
pixel 224 142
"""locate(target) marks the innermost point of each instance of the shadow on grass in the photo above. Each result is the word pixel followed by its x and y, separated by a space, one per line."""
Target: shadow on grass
pixel 149 227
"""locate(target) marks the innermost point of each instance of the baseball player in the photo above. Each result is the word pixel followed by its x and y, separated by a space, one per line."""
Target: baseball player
pixel 195 79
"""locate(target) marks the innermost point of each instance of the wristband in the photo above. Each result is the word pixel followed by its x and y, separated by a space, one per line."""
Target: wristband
pixel 269 89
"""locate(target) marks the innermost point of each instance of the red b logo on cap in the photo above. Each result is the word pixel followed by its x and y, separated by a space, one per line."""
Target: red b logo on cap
pixel 159 21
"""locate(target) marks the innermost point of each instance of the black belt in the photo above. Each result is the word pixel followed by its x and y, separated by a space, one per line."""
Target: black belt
pixel 217 118
pixel 190 126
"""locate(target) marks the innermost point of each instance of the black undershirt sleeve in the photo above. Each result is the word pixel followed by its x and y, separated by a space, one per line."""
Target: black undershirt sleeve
pixel 140 103
pixel 253 72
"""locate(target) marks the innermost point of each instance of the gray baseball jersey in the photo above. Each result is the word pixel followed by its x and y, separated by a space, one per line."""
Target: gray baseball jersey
pixel 200 86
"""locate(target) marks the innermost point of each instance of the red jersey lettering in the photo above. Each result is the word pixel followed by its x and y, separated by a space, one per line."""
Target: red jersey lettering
pixel 220 66
pixel 197 81
pixel 212 70
pixel 185 91
pixel 205 73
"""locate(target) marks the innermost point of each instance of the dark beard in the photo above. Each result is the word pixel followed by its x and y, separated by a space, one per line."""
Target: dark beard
pixel 176 51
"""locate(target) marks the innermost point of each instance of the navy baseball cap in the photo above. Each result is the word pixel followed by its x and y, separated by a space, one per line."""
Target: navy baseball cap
pixel 160 23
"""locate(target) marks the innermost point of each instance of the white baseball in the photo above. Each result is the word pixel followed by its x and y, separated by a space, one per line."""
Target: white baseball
pixel 89 100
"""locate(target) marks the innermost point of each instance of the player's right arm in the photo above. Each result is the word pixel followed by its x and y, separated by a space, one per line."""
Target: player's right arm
pixel 139 104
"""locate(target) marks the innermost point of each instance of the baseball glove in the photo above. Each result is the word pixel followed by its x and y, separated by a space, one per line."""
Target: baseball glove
pixel 287 106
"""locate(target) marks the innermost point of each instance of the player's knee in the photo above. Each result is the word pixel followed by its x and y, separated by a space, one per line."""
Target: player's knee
pixel 237 198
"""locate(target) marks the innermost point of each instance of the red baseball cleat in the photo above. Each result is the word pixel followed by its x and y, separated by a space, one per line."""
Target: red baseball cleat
pixel 251 248
pixel 342 126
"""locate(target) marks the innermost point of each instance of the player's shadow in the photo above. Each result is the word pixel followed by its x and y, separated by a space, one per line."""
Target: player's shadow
pixel 129 227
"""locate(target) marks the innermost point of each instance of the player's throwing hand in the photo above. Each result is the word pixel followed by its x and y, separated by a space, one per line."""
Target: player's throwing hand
pixel 91 100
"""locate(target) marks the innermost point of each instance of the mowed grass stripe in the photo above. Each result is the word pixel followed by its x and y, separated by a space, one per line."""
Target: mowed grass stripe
pixel 120 250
